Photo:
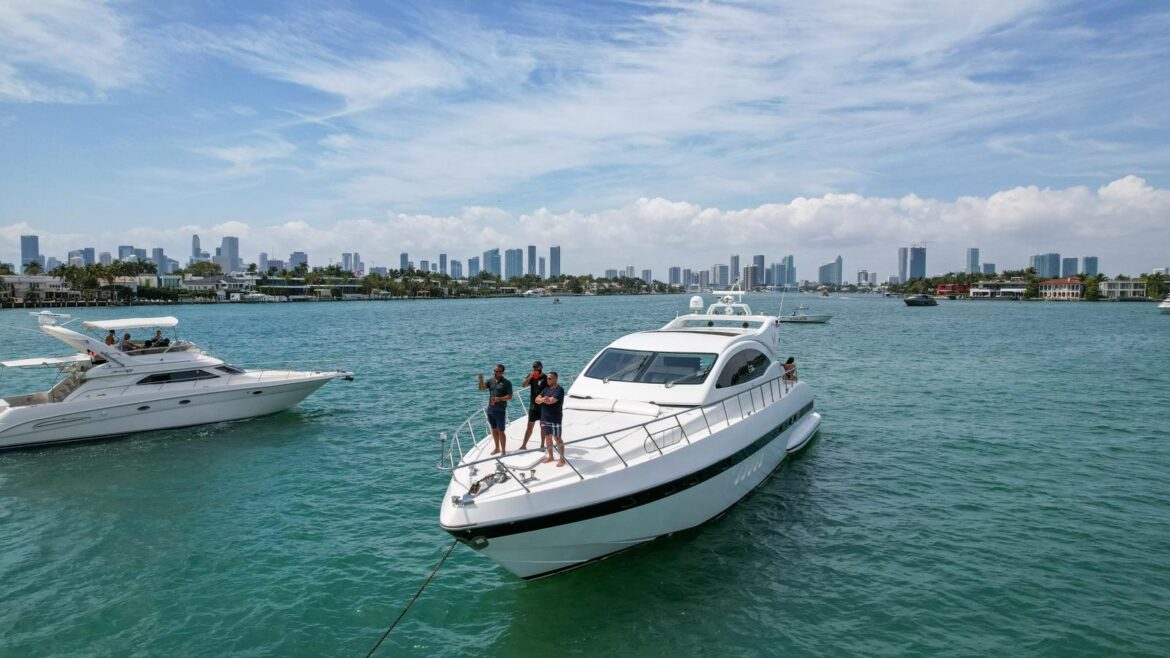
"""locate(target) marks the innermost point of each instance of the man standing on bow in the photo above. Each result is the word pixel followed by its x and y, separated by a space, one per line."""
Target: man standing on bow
pixel 499 392
pixel 536 381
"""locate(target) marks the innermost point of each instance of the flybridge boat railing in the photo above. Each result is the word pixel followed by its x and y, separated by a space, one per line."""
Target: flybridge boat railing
pixel 729 410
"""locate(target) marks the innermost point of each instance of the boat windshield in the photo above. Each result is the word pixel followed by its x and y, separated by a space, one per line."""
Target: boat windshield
pixel 651 367
pixel 726 324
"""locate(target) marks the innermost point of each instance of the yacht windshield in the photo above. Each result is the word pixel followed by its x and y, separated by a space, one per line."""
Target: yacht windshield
pixel 651 367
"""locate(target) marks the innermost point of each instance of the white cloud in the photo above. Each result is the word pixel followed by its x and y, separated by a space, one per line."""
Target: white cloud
pixel 657 233
pixel 63 51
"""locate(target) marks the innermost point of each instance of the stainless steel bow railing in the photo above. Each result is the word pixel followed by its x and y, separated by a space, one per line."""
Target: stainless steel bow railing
pixel 768 392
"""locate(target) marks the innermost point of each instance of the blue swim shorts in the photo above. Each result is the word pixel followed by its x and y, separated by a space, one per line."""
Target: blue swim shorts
pixel 497 419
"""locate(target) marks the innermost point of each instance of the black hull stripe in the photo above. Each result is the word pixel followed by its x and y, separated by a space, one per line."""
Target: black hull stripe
pixel 644 497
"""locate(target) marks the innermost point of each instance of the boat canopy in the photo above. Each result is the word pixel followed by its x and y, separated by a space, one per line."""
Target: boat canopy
pixel 131 323
pixel 45 361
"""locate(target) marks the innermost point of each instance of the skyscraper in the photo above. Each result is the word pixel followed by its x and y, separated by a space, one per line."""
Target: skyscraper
pixel 917 262
pixel 473 266
pixel 611 273
pixel 513 264
pixel 424 265
pixel 1069 266
pixel 358 266
pixel 228 254
pixel 734 268
pixel 540 269
pixel 830 273
pixel 989 268
pixel 30 250
pixel 903 264
pixel 403 261
pixel 758 263
pixel 1090 265
pixel 443 264
pixel 456 269
pixel 629 271
pixel 749 277
pixel 491 262
pixel 262 263
pixel 973 260
pixel 554 261
pixel 125 251
pixel 297 258
pixel 159 258
pixel 532 259
pixel 87 256
pixel 196 250
pixel 647 276
pixel 347 261
pixel 1046 265
pixel 105 258
pixel 674 276
pixel 790 274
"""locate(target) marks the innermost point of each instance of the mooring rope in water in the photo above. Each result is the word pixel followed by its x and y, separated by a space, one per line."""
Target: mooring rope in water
pixel 413 599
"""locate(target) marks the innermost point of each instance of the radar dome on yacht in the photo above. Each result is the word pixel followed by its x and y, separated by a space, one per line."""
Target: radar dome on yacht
pixel 697 304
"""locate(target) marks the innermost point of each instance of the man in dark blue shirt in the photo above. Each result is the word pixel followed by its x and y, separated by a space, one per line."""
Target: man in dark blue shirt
pixel 500 390
pixel 552 402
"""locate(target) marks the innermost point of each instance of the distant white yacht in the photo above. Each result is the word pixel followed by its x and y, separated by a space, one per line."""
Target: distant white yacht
pixel 105 391
pixel 1165 305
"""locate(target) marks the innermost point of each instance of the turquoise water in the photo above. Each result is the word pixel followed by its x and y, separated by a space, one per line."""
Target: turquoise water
pixel 990 478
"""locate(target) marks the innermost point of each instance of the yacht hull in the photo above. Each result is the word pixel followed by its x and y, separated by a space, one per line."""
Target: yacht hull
pixel 733 462
pixel 62 422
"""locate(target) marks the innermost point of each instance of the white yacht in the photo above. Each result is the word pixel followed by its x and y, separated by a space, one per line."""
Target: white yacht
pixel 1165 305
pixel 105 391
pixel 801 314
pixel 663 431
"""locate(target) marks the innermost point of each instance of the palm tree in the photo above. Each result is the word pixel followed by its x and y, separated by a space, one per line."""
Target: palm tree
pixel 33 268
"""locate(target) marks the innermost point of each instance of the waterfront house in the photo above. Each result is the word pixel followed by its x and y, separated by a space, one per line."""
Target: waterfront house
pixel 33 288
pixel 1122 290
pixel 1013 288
pixel 1065 289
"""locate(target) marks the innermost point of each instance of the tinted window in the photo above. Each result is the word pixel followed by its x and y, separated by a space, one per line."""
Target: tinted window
pixel 652 367
pixel 229 369
pixel 172 377
pixel 743 367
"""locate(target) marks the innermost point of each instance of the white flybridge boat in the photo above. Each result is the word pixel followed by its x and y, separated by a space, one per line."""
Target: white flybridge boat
pixel 801 314
pixel 105 391
pixel 663 431
pixel 1165 305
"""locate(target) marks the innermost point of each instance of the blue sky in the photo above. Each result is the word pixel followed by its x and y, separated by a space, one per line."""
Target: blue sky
pixel 636 133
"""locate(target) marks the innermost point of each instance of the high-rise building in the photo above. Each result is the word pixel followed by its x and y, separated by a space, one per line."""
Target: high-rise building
pixel 903 264
pixel 513 264
pixel 704 279
pixel 297 258
pixel 262 262
pixel 917 262
pixel 749 277
pixel 611 274
pixel 87 256
pixel 435 267
pixel 228 254
pixel 105 258
pixel 686 277
pixel 830 273
pixel 456 269
pixel 989 268
pixel 973 260
pixel 554 261
pixel 196 250
pixel 51 264
pixel 30 250
pixel 540 268
pixel 1089 265
pixel 140 255
pixel 1069 266
pixel 424 265
pixel 491 261
pixel 125 251
pixel 1046 265
pixel 873 278
pixel 629 271
pixel 790 274
pixel 159 258
pixel 278 265
pixel 674 276
pixel 443 264
pixel 532 260
pixel 862 277
pixel 358 266
pixel 473 266
pixel 734 268
pixel 75 259
pixel 647 276
pixel 758 263
pixel 403 261
pixel 347 261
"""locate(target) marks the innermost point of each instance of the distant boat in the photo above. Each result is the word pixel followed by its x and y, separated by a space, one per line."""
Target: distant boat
pixel 556 300
pixel 800 315
pixel 1165 305
pixel 824 293
pixel 920 300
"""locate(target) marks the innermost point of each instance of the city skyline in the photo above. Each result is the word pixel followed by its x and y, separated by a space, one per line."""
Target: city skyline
pixel 643 133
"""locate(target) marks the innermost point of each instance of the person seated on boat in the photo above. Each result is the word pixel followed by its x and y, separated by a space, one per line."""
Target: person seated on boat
pixel 95 358
pixel 126 345
pixel 111 338
pixel 552 402
pixel 790 370
pixel 157 340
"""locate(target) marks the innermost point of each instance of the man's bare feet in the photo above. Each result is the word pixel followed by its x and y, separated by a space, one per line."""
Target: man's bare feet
pixel 496 451
pixel 523 446
pixel 546 460
pixel 561 463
